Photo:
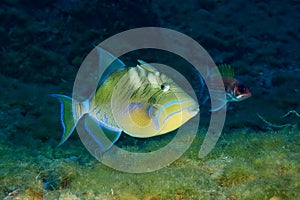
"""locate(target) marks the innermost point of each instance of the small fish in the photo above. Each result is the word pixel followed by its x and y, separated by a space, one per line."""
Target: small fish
pixel 235 91
pixel 148 104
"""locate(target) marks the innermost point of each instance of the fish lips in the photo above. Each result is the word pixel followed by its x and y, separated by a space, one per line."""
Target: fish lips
pixel 243 96
pixel 194 109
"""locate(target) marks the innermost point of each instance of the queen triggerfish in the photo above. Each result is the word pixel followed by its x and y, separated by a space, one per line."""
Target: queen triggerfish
pixel 139 101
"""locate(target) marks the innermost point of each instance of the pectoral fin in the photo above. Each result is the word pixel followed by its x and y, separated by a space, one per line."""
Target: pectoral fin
pixel 153 113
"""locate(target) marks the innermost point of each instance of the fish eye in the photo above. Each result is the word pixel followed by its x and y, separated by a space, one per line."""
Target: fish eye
pixel 241 88
pixel 165 87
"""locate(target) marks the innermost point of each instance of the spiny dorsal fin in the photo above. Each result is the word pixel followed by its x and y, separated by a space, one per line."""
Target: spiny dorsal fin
pixel 146 66
pixel 226 70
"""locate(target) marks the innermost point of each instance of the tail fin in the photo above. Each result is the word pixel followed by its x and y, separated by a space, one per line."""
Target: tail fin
pixel 66 116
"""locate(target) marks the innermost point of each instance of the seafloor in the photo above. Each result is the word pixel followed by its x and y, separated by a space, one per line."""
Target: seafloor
pixel 257 156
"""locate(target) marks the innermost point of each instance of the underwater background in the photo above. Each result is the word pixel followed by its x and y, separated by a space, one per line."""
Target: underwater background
pixel 258 154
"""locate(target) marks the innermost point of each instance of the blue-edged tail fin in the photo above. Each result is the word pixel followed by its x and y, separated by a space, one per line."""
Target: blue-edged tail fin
pixel 97 137
pixel 66 116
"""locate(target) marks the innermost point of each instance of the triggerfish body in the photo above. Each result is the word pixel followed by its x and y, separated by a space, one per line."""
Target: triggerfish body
pixel 235 91
pixel 148 103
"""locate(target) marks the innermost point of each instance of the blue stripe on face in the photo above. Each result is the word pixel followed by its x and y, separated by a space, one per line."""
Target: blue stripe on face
pixel 171 114
pixel 168 105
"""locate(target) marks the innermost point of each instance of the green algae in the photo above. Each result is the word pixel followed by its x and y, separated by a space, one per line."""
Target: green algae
pixel 237 172
pixel 70 172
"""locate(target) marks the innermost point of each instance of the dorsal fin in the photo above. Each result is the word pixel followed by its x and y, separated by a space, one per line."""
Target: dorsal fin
pixel 226 70
pixel 106 57
pixel 146 66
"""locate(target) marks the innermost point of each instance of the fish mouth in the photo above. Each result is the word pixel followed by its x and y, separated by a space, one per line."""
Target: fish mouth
pixel 194 109
pixel 243 96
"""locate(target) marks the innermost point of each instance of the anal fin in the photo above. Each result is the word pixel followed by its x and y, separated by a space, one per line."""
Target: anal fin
pixel 97 137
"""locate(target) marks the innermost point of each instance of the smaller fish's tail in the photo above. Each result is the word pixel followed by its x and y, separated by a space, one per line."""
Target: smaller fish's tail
pixel 67 119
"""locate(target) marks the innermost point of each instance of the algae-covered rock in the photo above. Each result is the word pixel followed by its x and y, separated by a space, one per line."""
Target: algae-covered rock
pixel 237 172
